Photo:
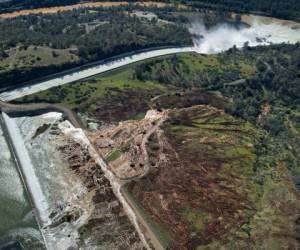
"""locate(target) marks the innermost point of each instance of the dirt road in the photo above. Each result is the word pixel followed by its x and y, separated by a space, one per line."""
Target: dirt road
pixel 37 109
pixel 154 240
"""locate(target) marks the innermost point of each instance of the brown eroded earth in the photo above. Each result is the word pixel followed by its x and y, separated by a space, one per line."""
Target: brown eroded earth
pixel 191 173
pixel 107 226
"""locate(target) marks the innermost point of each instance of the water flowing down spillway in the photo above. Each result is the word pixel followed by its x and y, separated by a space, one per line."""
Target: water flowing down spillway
pixel 17 221
pixel 54 188
pixel 53 183
pixel 32 181
pixel 98 68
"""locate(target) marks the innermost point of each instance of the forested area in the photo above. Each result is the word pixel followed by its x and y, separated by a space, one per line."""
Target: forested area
pixel 286 9
pixel 91 34
pixel 273 87
pixel 110 32
pixel 29 4
pixel 268 97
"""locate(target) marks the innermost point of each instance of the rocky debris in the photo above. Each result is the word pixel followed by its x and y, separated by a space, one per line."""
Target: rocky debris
pixel 74 154
pixel 115 207
pixel 129 139
pixel 67 216
pixel 104 194
pixel 54 130
pixel 107 227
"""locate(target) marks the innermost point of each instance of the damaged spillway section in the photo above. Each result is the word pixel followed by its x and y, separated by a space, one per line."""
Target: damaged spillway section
pixel 28 171
pixel 18 225
pixel 77 199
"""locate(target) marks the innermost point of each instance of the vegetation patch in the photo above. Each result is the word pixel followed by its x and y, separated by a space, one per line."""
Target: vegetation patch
pixel 82 93
pixel 40 130
pixel 41 44
pixel 114 155
pixel 195 70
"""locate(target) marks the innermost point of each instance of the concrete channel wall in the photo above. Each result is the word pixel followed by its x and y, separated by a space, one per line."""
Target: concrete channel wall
pixel 89 70
pixel 12 145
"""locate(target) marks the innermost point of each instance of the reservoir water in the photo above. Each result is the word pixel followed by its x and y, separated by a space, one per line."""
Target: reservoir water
pixel 17 220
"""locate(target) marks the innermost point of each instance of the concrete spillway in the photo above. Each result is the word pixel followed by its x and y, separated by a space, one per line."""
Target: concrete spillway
pixel 27 169
pixel 94 69
pixel 207 41
pixel 17 222
pixel 54 189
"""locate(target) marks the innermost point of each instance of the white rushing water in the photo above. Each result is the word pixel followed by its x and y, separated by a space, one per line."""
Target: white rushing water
pixel 17 222
pixel 224 36
pixel 56 191
pixel 93 70
pixel 208 41
pixel 11 175
pixel 27 169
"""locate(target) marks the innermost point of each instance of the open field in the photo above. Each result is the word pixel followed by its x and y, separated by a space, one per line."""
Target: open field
pixel 37 56
pixel 79 93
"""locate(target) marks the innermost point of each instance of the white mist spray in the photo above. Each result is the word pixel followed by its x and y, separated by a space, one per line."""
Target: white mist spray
pixel 224 36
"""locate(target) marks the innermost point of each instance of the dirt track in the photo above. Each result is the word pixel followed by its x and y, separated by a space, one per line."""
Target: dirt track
pixel 154 240
pixel 52 10
pixel 40 108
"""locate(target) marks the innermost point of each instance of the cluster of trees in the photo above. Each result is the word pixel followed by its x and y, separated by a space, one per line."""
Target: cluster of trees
pixel 13 5
pixel 275 82
pixel 286 9
pixel 114 31
pixel 179 72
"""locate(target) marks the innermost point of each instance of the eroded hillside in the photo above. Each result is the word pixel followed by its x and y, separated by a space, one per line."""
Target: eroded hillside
pixel 197 178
